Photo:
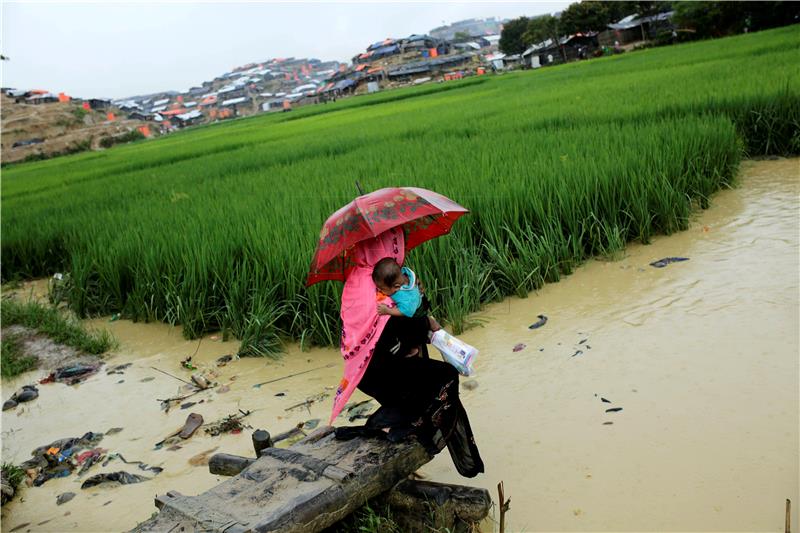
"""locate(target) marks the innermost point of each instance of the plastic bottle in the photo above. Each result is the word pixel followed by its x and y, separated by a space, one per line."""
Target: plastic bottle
pixel 455 351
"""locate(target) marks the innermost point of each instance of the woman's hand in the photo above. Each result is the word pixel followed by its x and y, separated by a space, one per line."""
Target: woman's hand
pixel 383 309
pixel 434 325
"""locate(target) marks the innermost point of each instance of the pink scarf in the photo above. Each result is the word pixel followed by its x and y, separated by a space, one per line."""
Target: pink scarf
pixel 361 324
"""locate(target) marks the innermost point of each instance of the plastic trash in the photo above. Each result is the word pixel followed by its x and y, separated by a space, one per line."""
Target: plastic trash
pixel 539 323
pixel 661 263
pixel 455 351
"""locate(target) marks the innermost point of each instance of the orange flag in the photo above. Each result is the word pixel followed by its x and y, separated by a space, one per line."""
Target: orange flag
pixel 110 116
pixel 63 97
pixel 144 130
pixel 86 106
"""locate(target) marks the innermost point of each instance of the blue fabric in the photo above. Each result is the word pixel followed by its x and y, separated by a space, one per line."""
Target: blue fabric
pixel 408 298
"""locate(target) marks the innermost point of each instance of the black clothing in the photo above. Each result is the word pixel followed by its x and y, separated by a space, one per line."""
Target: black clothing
pixel 418 395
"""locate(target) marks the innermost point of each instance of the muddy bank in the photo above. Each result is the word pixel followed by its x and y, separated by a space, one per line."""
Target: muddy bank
pixel 701 357
pixel 49 355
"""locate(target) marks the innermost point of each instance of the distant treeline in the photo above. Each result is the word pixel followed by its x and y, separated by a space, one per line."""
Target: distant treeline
pixel 701 19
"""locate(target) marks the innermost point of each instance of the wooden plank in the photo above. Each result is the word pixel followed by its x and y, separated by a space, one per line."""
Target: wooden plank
pixel 224 464
pixel 427 505
pixel 305 488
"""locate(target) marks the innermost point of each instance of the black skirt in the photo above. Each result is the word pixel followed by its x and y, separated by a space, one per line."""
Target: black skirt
pixel 418 395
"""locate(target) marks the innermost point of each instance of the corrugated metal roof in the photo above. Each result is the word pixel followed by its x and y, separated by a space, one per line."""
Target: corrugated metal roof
pixel 631 21
pixel 234 101
pixel 194 113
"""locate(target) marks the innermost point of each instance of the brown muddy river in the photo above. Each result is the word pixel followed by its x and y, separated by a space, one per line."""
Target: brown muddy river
pixel 702 357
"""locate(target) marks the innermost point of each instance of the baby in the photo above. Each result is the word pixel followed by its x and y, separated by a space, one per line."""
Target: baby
pixel 400 284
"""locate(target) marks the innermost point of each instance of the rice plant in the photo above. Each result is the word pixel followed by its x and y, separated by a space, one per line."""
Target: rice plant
pixel 214 228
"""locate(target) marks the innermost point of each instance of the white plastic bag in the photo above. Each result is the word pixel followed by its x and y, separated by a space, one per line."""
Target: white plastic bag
pixel 455 351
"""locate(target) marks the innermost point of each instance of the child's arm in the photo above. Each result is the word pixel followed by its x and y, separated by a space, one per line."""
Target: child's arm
pixel 384 309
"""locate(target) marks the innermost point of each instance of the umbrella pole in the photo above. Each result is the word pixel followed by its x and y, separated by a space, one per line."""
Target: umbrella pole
pixel 358 187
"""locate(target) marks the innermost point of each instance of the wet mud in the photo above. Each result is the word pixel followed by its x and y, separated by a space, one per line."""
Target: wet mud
pixel 651 399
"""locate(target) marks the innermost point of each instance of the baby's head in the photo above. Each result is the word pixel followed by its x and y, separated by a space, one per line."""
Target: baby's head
pixel 387 276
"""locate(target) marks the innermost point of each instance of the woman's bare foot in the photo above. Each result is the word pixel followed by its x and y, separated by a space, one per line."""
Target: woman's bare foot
pixel 413 352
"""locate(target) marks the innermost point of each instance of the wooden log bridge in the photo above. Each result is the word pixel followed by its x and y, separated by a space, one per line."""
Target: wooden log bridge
pixel 304 488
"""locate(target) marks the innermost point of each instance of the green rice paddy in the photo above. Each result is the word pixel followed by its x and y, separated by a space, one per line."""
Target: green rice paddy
pixel 214 228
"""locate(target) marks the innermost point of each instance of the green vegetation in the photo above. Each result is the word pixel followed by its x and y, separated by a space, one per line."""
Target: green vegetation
pixel 50 321
pixel 692 20
pixel 367 520
pixel 14 362
pixel 214 228
pixel 375 517
pixel 79 113
pixel 75 148
pixel 13 476
pixel 133 135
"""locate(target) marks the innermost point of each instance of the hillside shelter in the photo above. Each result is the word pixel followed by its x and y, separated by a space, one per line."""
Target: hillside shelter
pixel 99 103
pixel 633 28
pixel 187 119
pixel 415 69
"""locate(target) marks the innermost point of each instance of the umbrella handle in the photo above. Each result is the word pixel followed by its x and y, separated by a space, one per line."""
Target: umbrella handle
pixel 358 187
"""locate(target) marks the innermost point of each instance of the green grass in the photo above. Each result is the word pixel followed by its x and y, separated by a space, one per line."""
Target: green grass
pixel 14 361
pixel 54 324
pixel 378 518
pixel 367 520
pixel 14 475
pixel 214 228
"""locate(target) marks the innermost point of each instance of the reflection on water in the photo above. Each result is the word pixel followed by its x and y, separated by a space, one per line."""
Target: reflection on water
pixel 702 357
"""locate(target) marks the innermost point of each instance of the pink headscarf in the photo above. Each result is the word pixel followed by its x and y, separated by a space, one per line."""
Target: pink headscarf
pixel 361 324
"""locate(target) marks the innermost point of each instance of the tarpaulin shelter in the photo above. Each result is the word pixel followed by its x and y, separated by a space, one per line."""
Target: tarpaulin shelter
pixel 173 112
pixel 385 51
pixel 379 44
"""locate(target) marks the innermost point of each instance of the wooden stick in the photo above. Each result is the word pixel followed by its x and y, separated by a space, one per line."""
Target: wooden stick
pixel 504 506
pixel 258 385
pixel 176 377
pixel 788 515
pixel 179 398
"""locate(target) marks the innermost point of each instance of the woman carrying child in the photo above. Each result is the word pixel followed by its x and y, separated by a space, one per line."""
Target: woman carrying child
pixel 386 358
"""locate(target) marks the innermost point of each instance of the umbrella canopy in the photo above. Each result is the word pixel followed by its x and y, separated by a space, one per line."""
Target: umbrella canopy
pixel 423 214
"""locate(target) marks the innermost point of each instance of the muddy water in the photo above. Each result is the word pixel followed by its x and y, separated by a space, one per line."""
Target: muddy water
pixel 702 357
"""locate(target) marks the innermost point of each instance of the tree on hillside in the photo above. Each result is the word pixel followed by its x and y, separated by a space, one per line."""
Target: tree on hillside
pixel 717 19
pixel 648 8
pixel 584 17
pixel 616 11
pixel 511 41
pixel 765 15
pixel 461 36
pixel 593 15
pixel 710 19
pixel 540 29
